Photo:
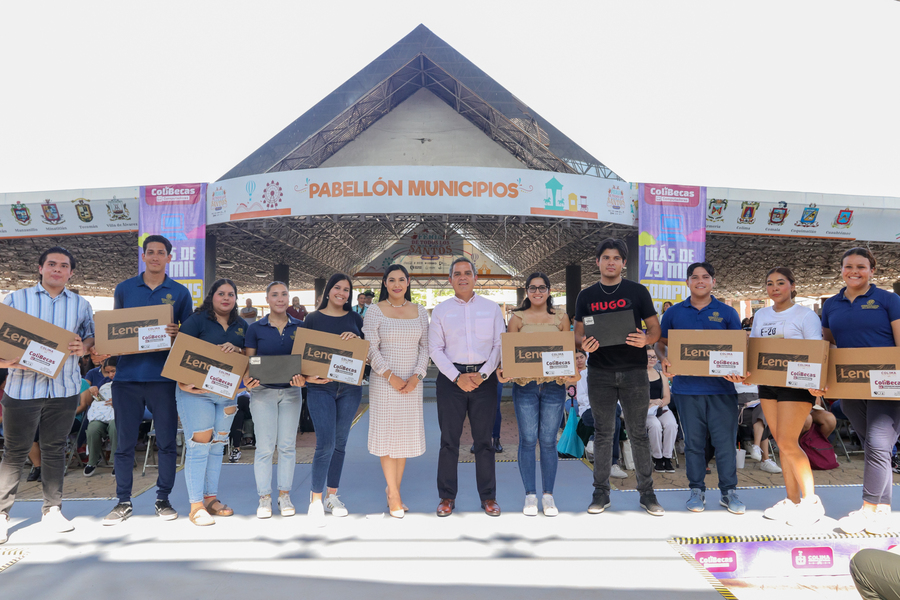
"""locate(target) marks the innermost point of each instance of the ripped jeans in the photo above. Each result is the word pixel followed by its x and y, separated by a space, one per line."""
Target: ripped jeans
pixel 201 414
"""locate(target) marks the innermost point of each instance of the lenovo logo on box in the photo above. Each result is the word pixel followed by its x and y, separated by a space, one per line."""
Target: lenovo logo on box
pixel 201 364
pixel 778 362
pixel 322 354
pixel 20 338
pixel 700 352
pixel 859 373
pixel 532 354
pixel 121 331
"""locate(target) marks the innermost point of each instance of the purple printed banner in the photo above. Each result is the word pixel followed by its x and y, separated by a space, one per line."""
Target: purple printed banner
pixel 672 224
pixel 178 212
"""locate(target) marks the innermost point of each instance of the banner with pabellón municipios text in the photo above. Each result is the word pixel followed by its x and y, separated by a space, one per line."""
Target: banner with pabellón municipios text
pixel 69 212
pixel 177 212
pixel 672 225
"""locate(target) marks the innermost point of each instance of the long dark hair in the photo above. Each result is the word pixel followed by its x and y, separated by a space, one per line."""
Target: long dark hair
pixel 383 294
pixel 526 303
pixel 331 283
pixel 788 274
pixel 207 306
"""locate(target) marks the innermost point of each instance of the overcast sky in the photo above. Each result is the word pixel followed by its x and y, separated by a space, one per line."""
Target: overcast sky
pixel 787 94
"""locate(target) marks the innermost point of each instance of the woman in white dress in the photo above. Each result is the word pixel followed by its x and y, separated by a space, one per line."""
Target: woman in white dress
pixel 397 331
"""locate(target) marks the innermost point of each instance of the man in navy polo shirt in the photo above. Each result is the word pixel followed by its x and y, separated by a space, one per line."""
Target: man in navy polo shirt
pixel 139 382
pixel 706 405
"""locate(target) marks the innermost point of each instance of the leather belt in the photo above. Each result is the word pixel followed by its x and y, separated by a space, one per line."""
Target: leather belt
pixel 468 368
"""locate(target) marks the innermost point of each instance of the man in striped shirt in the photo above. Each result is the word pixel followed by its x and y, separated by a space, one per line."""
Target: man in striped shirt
pixel 33 400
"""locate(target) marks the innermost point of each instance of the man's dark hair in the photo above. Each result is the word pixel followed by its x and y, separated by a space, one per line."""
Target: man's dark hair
pixel 459 260
pixel 369 294
pixel 159 239
pixel 57 250
pixel 705 265
pixel 614 244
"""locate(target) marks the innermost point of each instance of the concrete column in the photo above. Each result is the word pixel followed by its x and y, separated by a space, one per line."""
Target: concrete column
pixel 633 266
pixel 319 285
pixel 573 286
pixel 520 296
pixel 209 267
pixel 283 274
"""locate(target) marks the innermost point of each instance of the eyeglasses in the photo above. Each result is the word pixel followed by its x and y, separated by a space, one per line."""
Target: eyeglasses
pixel 542 289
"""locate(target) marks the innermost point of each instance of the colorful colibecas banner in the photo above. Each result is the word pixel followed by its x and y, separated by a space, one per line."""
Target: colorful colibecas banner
pixel 177 212
pixel 672 223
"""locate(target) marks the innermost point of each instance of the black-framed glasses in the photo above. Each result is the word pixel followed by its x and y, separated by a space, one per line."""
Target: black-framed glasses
pixel 535 288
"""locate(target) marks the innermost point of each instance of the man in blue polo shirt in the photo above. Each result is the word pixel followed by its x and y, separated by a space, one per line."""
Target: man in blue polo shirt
pixel 708 406
pixel 32 400
pixel 139 382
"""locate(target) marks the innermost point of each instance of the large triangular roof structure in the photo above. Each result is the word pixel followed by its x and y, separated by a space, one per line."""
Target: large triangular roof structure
pixel 419 60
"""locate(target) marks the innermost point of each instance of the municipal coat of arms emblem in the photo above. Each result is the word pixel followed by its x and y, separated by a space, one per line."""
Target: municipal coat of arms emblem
pixel 716 210
pixel 809 216
pixel 51 214
pixel 844 219
pixel 778 214
pixel 117 210
pixel 748 213
pixel 83 210
pixel 21 213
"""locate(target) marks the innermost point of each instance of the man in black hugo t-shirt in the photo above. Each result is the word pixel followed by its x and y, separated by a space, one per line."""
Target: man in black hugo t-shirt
pixel 618 373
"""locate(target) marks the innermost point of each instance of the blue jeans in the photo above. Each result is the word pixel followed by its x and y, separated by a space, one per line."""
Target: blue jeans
pixel 332 407
pixel 717 416
pixel 276 416
pixel 539 407
pixel 203 461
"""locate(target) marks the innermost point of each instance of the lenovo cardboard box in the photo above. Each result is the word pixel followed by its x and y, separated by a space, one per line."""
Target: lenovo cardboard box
pixel 116 331
pixel 850 373
pixel 708 352
pixel 770 358
pixel 526 355
pixel 328 356
pixel 19 329
pixel 191 359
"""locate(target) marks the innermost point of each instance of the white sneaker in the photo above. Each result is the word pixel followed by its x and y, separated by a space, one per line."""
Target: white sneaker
pixel 54 520
pixel 316 512
pixel 335 506
pixel 616 471
pixel 755 453
pixel 808 512
pixel 4 528
pixel 874 522
pixel 286 506
pixel 781 511
pixel 769 466
pixel 549 506
pixel 530 509
pixel 589 450
pixel 265 507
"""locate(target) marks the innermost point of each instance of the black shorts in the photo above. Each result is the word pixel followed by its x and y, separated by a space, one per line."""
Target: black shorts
pixel 785 394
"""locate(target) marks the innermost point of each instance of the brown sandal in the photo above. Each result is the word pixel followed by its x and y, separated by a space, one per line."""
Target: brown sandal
pixel 199 516
pixel 218 509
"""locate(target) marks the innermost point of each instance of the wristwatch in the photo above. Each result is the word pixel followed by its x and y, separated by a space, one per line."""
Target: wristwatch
pixel 484 376
pixel 420 377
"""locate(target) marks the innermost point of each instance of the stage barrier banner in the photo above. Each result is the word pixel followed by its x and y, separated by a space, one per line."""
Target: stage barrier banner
pixel 672 236
pixel 69 212
pixel 178 212
pixel 428 190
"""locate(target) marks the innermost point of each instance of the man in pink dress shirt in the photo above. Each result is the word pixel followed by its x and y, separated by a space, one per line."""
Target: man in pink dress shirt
pixel 464 341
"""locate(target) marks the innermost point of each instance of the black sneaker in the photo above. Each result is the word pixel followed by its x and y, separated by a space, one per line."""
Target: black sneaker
pixel 235 455
pixel 165 511
pixel 89 470
pixel 658 465
pixel 667 463
pixel 599 502
pixel 649 503
pixel 34 475
pixel 497 447
pixel 118 514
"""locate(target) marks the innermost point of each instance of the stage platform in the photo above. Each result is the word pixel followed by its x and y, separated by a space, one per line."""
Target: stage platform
pixel 622 553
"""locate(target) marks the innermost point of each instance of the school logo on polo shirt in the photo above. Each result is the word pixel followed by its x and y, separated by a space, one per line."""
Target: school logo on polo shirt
pixel 168 299
pixel 870 304
pixel 293 334
pixel 240 331
pixel 715 317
